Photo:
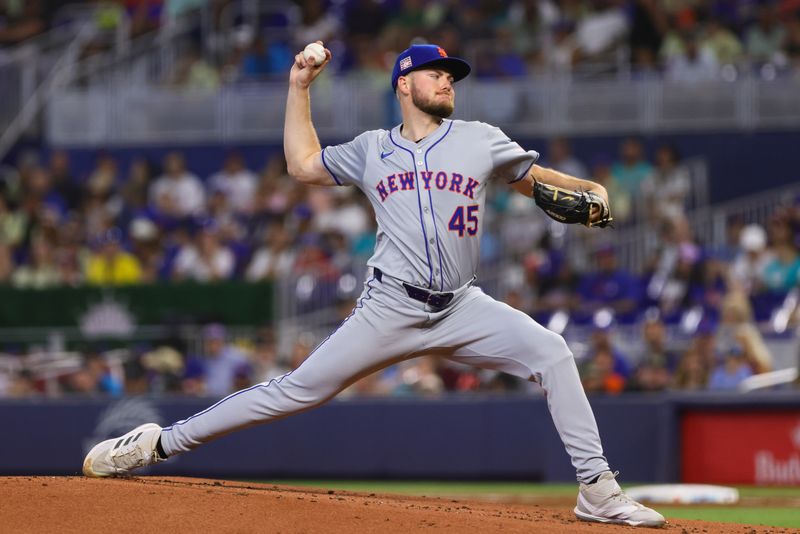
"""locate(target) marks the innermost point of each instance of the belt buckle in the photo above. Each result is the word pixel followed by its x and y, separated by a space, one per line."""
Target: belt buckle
pixel 440 301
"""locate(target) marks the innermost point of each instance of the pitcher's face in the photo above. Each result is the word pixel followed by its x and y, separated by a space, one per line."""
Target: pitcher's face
pixel 432 91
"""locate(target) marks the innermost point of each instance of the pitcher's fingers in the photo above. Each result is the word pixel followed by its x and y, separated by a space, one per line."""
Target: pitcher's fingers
pixel 300 60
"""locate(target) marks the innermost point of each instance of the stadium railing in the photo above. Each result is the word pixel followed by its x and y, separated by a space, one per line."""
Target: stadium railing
pixel 124 114
pixel 302 305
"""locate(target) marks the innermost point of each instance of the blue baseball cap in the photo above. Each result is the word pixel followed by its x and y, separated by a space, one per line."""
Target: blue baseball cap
pixel 430 56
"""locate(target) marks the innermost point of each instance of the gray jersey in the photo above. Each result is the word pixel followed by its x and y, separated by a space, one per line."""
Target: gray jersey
pixel 429 197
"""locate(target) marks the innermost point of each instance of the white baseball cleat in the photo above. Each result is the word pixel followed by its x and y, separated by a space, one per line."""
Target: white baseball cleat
pixel 117 457
pixel 605 502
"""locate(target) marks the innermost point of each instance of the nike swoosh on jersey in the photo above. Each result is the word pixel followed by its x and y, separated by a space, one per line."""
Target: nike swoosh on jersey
pixel 385 155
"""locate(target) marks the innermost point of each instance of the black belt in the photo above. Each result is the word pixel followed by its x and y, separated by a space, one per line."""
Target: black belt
pixel 434 299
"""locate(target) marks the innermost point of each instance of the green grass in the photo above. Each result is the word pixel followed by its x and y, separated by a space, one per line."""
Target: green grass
pixel 767 516
pixel 423 487
pixel 753 491
pixel 777 516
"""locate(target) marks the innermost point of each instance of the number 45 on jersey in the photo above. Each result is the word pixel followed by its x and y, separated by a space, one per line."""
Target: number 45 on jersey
pixel 469 224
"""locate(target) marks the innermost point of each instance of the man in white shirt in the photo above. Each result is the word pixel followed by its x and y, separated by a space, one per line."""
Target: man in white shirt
pixel 178 193
pixel 205 259
pixel 696 65
pixel 236 182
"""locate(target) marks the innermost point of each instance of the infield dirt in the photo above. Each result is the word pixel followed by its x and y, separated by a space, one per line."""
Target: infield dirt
pixel 158 504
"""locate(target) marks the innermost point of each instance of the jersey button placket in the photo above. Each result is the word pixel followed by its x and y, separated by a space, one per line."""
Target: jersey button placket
pixel 432 234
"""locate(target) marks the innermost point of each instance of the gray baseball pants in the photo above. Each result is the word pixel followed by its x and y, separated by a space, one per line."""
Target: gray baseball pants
pixel 386 327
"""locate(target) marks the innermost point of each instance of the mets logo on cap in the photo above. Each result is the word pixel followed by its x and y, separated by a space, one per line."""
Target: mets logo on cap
pixel 428 55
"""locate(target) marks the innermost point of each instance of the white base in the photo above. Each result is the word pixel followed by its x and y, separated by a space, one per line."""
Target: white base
pixel 684 494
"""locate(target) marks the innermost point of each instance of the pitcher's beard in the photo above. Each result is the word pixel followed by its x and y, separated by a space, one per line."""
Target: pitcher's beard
pixel 437 109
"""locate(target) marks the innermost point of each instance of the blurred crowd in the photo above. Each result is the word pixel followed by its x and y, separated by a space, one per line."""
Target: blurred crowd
pixel 686 41
pixel 170 221
pixel 718 356
pixel 161 222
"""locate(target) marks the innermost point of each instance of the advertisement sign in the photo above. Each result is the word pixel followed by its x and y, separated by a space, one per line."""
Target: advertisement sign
pixel 750 447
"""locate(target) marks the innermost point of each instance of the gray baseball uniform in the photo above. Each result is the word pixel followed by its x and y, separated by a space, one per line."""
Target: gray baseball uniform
pixel 429 201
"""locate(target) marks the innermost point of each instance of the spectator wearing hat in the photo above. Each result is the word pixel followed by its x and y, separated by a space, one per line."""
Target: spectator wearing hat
pixel 730 371
pixel 219 369
pixel 747 268
pixel 160 369
pixel 110 264
pixel 147 247
pixel 610 286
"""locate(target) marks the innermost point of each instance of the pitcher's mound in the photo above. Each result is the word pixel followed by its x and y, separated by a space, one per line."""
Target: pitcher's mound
pixel 157 504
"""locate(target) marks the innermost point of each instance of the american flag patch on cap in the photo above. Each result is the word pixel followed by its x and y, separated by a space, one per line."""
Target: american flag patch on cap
pixel 405 63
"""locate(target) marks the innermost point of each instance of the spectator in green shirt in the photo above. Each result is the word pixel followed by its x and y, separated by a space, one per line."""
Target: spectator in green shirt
pixel 632 169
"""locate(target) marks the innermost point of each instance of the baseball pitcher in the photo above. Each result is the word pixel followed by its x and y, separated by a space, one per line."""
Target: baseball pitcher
pixel 426 179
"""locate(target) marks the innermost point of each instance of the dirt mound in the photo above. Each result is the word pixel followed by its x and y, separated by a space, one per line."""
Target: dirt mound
pixel 156 504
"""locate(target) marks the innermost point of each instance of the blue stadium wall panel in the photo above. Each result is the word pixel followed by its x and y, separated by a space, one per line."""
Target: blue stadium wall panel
pixel 449 438
pixel 454 437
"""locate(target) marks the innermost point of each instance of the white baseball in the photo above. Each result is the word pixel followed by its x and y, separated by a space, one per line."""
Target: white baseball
pixel 316 51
